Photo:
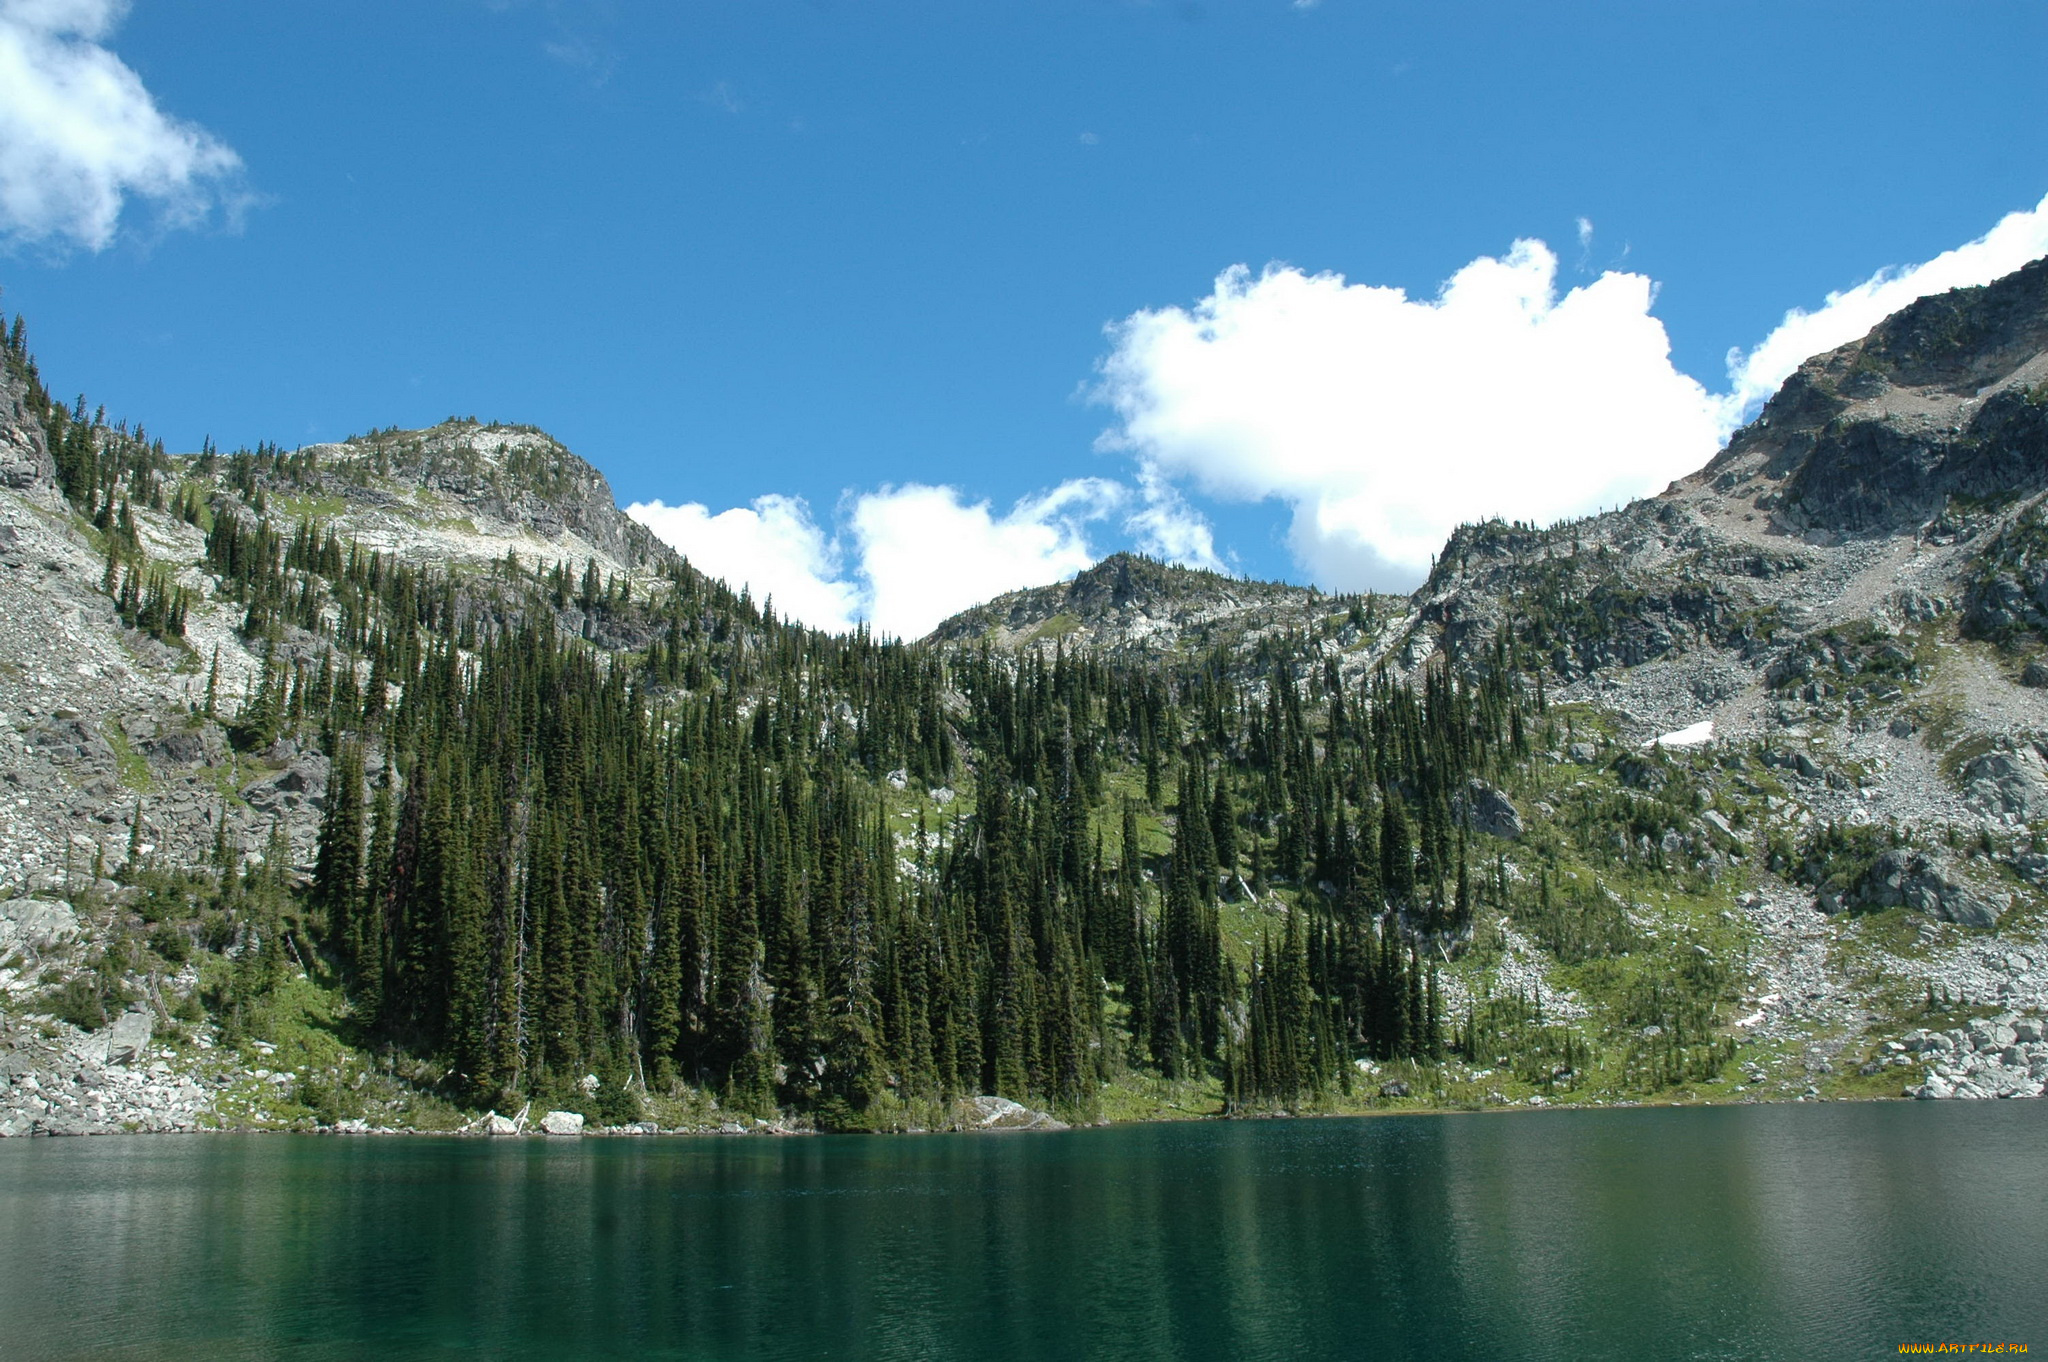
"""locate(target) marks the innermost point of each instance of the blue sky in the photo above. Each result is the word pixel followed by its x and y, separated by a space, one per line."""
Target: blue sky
pixel 878 299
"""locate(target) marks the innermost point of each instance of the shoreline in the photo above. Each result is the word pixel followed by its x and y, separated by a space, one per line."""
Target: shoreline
pixel 58 1081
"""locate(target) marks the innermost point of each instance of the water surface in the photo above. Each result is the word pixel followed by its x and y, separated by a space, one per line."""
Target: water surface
pixel 1818 1231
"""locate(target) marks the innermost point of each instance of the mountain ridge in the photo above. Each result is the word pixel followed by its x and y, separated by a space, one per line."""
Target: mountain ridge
pixel 1790 711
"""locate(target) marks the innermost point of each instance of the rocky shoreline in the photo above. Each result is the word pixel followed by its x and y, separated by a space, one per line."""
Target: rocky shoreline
pixel 2005 1056
pixel 58 1081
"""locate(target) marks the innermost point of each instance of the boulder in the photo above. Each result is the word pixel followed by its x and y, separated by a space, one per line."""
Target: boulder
pixel 69 739
pixel 1487 809
pixel 38 925
pixel 562 1123
pixel 303 782
pixel 1990 1036
pixel 494 1124
pixel 187 746
pixel 2007 782
pixel 1000 1113
pixel 128 1038
pixel 1394 1088
pixel 1910 878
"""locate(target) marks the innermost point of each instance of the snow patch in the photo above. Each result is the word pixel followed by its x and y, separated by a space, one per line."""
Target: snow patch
pixel 1694 735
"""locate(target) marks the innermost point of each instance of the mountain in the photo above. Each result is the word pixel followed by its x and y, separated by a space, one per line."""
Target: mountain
pixel 1128 606
pixel 380 782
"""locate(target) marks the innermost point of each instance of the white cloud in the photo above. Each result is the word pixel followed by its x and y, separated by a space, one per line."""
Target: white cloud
pixel 1165 526
pixel 926 553
pixel 1385 421
pixel 79 134
pixel 1845 316
pixel 773 548
pixel 920 553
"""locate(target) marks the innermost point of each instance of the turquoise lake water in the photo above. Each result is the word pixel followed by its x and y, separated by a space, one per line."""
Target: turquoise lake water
pixel 1816 1231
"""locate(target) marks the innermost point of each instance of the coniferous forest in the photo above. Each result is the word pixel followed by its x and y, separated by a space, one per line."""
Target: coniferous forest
pixel 637 828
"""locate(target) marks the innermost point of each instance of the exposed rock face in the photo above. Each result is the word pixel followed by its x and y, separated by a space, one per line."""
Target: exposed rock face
pixel 2007 782
pixel 1000 1113
pixel 511 483
pixel 36 925
pixel 1127 604
pixel 25 463
pixel 562 1123
pixel 128 1038
pixel 1487 809
pixel 302 784
pixel 70 1084
pixel 1906 877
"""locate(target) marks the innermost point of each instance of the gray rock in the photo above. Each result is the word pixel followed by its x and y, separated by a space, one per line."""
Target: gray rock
pixel 303 782
pixel 562 1123
pixel 494 1124
pixel 1583 753
pixel 128 1038
pixel 2035 675
pixel 38 925
pixel 1990 1036
pixel 1911 878
pixel 1000 1113
pixel 2007 782
pixel 187 746
pixel 1487 809
pixel 1394 1088
pixel 69 740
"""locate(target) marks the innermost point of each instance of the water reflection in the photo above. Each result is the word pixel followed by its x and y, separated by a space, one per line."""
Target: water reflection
pixel 1820 1231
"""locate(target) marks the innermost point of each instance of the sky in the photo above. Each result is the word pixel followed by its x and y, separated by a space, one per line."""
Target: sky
pixel 883 309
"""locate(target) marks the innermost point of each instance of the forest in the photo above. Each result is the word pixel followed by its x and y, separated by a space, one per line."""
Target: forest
pixel 833 875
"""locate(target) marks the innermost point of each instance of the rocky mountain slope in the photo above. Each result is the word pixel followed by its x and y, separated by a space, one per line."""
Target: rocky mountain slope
pixel 1798 718
pixel 1842 620
pixel 1127 606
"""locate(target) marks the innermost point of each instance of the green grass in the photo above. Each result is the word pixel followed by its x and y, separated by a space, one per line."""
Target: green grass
pixel 325 507
pixel 307 1027
pixel 1057 627
pixel 133 766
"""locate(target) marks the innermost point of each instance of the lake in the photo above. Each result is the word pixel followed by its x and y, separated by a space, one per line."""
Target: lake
pixel 1819 1231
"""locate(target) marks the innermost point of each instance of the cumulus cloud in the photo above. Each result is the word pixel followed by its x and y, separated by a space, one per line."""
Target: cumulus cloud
pixel 774 548
pixel 926 553
pixel 1845 316
pixel 80 135
pixel 1385 421
pixel 909 556
pixel 1165 526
